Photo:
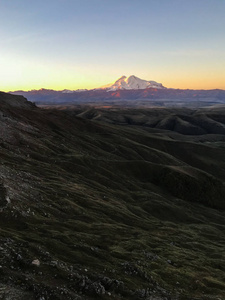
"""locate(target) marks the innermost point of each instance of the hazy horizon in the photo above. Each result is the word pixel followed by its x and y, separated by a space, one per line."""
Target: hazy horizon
pixel 90 43
pixel 102 87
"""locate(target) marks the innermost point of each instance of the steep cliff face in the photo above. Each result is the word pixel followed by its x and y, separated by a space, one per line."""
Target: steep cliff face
pixel 91 209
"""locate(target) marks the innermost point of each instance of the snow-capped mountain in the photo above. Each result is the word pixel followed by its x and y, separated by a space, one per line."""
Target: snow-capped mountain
pixel 132 83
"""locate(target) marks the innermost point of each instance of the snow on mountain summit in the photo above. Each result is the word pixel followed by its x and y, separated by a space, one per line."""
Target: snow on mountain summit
pixel 131 83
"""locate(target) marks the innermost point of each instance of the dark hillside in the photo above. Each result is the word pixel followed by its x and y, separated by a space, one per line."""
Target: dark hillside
pixel 111 205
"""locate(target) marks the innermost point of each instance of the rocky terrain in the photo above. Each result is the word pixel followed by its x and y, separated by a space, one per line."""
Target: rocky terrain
pixel 111 204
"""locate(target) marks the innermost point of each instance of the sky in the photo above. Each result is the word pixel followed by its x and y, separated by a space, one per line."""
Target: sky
pixel 72 44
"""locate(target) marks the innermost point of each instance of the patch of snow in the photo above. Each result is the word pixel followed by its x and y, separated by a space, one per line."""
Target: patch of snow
pixel 74 91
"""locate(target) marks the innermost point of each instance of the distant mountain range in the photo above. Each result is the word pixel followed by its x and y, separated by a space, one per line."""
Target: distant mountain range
pixel 127 91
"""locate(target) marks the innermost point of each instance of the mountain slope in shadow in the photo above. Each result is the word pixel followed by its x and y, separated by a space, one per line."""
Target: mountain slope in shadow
pixel 95 207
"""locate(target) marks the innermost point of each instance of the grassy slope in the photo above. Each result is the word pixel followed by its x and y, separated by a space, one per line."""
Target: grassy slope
pixel 110 211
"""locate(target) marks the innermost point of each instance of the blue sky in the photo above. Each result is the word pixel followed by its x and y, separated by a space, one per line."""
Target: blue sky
pixel 88 43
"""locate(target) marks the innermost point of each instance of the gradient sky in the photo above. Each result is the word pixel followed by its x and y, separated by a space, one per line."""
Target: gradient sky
pixel 88 43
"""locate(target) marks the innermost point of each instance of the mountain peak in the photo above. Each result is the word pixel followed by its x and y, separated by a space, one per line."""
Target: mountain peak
pixel 121 78
pixel 131 83
pixel 133 76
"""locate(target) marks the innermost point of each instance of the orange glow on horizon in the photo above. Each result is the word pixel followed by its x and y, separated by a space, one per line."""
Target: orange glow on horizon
pixel 195 83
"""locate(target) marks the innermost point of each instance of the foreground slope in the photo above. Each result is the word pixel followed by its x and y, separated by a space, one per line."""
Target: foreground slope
pixel 91 209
